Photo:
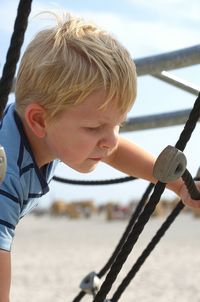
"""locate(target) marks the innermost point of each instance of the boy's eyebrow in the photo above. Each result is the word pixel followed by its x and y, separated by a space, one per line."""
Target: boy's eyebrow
pixel 121 121
pixel 105 122
pixel 100 124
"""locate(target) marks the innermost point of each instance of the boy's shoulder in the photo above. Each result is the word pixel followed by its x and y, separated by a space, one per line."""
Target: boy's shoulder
pixel 8 125
pixel 21 163
pixel 10 138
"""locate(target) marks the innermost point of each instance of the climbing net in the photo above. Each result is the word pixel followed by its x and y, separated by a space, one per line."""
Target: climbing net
pixel 142 215
pixel 170 165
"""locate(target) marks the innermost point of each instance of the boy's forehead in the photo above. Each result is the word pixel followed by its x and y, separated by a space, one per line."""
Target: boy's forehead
pixel 96 107
pixel 105 116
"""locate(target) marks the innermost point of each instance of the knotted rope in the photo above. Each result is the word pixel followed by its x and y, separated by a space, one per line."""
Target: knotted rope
pixel 148 210
pixel 124 237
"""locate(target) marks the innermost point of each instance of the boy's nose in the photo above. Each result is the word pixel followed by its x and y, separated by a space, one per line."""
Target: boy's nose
pixel 109 141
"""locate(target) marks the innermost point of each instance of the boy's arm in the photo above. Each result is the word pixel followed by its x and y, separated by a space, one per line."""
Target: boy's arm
pixel 132 160
pixel 5 275
pixel 135 161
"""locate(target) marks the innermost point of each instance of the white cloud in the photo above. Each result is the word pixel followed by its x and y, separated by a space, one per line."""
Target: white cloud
pixel 146 36
pixel 8 10
pixel 141 37
pixel 172 9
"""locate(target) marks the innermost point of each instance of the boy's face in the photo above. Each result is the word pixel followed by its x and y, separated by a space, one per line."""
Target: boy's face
pixel 84 135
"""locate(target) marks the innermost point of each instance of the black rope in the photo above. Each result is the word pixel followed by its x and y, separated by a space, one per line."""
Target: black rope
pixel 148 210
pixel 189 126
pixel 192 189
pixel 13 53
pixel 94 182
pixel 160 233
pixel 124 237
pixel 128 229
pixel 128 245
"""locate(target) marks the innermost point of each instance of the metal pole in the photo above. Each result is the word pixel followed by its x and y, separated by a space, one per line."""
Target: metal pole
pixel 178 82
pixel 156 121
pixel 168 61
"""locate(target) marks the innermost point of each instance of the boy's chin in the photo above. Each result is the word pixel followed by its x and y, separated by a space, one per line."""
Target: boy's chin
pixel 84 169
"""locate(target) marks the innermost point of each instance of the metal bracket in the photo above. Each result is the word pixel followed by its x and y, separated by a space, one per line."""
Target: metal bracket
pixel 170 165
pixel 90 284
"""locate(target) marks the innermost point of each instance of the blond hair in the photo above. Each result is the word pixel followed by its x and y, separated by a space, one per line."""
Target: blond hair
pixel 64 64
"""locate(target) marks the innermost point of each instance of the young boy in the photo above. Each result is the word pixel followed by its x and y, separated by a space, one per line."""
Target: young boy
pixel 74 88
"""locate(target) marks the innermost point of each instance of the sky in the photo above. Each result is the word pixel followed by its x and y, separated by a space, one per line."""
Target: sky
pixel 145 28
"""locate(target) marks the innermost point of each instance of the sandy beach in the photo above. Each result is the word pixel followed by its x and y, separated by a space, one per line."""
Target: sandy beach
pixel 50 257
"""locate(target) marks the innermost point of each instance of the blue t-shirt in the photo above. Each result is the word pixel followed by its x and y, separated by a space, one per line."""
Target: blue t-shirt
pixel 24 182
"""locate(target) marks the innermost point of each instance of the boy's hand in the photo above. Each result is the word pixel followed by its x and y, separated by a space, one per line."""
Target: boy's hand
pixel 5 275
pixel 185 196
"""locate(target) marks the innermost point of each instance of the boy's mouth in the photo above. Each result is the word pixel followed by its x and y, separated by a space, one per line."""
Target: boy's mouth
pixel 95 158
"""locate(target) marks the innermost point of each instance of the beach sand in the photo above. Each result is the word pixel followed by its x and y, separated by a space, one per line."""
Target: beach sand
pixel 50 257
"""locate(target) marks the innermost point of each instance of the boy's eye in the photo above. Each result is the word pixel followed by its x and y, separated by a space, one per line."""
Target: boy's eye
pixel 93 128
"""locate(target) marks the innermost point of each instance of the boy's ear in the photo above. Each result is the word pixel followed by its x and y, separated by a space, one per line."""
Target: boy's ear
pixel 35 118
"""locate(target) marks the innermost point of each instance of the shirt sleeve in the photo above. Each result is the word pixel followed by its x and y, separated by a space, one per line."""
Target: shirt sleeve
pixel 10 209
